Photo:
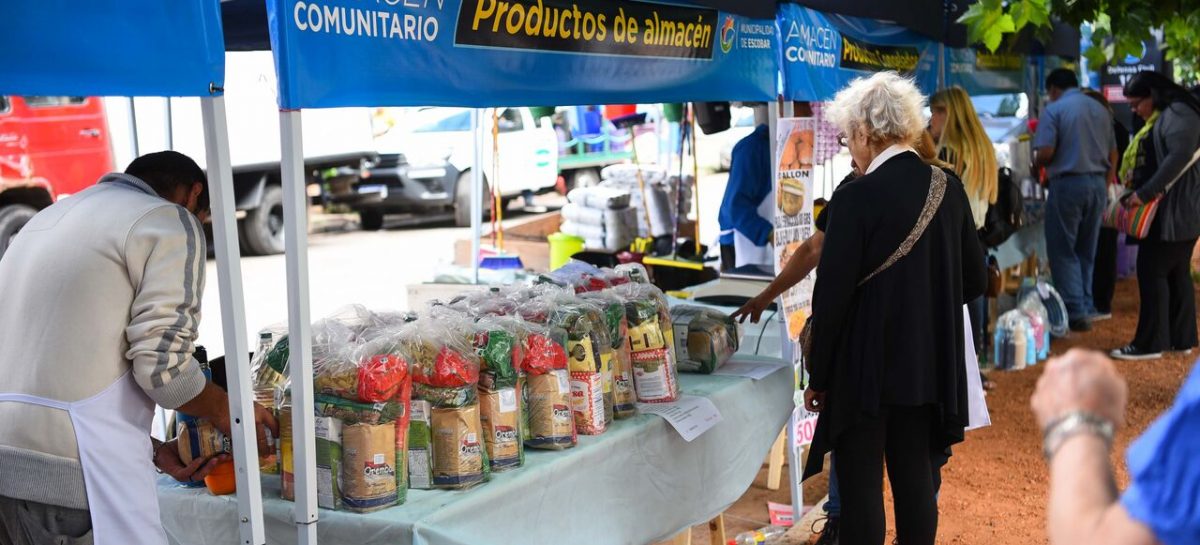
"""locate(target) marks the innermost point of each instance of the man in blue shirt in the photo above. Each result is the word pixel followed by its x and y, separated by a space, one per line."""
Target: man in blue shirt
pixel 746 209
pixel 1076 144
pixel 1079 402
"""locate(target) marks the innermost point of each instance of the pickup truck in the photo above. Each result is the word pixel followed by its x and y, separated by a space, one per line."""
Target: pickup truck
pixel 50 147
pixel 425 161
pixel 335 140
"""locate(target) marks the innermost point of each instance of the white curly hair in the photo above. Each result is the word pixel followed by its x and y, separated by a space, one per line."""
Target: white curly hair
pixel 887 106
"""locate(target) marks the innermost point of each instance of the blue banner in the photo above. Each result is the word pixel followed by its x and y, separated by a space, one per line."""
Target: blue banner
pixel 983 73
pixel 111 47
pixel 824 52
pixel 476 53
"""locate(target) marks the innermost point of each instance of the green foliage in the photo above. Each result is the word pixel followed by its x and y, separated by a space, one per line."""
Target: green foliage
pixel 1119 26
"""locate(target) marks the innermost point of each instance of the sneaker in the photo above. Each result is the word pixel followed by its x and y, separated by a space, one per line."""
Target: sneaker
pixel 1132 353
pixel 1181 351
pixel 1100 317
pixel 829 531
pixel 1081 325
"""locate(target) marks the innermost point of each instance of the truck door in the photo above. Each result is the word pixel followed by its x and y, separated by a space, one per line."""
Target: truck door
pixel 528 153
pixel 68 141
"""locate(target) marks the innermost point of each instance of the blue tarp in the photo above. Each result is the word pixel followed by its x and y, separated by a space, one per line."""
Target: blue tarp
pixel 332 53
pixel 111 47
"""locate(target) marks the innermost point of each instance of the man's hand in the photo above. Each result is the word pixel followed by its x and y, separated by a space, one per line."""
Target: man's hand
pixel 167 460
pixel 264 419
pixel 1081 380
pixel 814 401
pixel 753 309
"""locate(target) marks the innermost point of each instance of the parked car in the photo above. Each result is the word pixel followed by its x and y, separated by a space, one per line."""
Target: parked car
pixel 425 162
pixel 50 148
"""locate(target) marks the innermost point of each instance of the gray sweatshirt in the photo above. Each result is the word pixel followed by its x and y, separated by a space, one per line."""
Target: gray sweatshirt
pixel 107 280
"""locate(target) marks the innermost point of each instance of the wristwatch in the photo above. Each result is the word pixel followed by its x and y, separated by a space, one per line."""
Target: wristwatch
pixel 1072 424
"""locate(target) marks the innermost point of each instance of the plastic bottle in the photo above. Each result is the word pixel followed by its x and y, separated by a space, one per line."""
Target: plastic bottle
pixel 1019 348
pixel 759 536
pixel 1030 347
pixel 201 355
pixel 266 380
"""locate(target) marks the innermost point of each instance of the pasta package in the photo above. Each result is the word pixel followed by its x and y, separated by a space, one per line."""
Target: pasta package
pixel 654 376
pixel 420 446
pixel 500 418
pixel 352 412
pixel 369 467
pixel 548 410
pixel 459 456
pixel 619 364
pixel 329 462
pixel 587 402
pixel 706 339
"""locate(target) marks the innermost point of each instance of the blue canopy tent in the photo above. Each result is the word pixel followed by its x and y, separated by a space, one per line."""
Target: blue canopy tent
pixel 152 48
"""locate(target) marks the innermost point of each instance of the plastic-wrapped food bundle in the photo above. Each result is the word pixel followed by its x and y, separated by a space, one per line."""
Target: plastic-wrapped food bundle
pixel 635 272
pixel 1015 347
pixel 443 362
pixel 613 308
pixel 500 343
pixel 545 390
pixel 651 343
pixel 704 338
pixel 590 360
pixel 445 370
pixel 1039 319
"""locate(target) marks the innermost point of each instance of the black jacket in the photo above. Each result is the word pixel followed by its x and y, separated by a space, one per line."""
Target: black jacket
pixel 898 339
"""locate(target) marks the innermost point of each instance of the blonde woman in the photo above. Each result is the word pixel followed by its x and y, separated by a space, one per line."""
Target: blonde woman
pixel 963 144
pixel 899 258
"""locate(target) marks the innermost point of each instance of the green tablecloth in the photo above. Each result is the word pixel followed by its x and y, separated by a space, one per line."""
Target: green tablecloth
pixel 636 484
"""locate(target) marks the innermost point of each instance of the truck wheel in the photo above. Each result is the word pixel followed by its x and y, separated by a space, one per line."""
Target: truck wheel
pixel 462 200
pixel 588 177
pixel 370 220
pixel 12 218
pixel 263 226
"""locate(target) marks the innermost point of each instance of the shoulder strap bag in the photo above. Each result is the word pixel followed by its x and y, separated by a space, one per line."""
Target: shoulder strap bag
pixel 1135 221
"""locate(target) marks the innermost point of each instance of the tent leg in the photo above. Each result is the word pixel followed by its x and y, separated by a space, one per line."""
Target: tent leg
pixel 295 216
pixel 476 192
pixel 233 321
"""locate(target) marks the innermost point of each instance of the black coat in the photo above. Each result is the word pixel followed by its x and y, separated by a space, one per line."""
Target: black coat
pixel 898 339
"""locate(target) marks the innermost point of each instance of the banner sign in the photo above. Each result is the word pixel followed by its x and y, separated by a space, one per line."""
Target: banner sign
pixel 112 47
pixel 824 52
pixel 794 138
pixel 332 53
pixel 982 73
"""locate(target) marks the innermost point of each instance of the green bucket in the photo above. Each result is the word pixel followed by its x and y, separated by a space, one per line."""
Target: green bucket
pixel 562 247
pixel 673 111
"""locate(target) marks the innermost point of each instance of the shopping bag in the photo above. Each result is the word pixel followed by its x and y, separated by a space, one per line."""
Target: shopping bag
pixel 1134 221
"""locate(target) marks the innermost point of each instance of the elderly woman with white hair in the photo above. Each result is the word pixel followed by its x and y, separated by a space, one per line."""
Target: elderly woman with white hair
pixel 885 361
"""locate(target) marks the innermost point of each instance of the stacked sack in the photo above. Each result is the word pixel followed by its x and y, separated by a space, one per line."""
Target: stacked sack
pixel 600 216
pixel 667 196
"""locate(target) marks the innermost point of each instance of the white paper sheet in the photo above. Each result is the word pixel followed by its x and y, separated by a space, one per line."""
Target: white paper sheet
pixel 690 416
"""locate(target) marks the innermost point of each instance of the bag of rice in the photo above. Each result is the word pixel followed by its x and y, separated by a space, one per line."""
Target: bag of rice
pixel 369 467
pixel 459 456
pixel 499 416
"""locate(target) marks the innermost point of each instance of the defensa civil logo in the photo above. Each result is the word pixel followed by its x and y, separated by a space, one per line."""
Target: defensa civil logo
pixel 728 34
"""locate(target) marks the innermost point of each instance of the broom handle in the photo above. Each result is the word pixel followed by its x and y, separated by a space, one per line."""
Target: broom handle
pixel 497 210
pixel 695 180
pixel 641 181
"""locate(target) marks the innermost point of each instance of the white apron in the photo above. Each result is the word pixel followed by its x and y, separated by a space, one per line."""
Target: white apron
pixel 112 429
pixel 748 253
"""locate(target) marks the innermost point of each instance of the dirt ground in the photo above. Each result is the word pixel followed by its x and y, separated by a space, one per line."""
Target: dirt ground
pixel 995 486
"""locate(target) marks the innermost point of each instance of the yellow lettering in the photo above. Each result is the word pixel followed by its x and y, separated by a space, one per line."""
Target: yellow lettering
pixel 516 18
pixel 532 26
pixel 500 9
pixel 589 26
pixel 481 13
pixel 633 30
pixel 601 31
pixel 562 25
pixel 575 27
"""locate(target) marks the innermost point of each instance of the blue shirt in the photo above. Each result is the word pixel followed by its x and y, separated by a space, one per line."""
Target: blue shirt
pixel 1164 464
pixel 1080 130
pixel 749 183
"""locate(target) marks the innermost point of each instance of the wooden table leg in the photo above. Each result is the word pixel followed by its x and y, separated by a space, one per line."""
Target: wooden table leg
pixel 775 462
pixel 683 538
pixel 716 529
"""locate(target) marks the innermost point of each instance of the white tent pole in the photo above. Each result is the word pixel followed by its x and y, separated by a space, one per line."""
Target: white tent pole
pixel 133 128
pixel 168 123
pixel 476 191
pixel 233 321
pixel 295 217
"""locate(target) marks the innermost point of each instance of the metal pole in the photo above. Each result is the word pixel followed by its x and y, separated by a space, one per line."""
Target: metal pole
pixel 941 68
pixel 133 128
pixel 233 321
pixel 476 192
pixel 295 219
pixel 169 124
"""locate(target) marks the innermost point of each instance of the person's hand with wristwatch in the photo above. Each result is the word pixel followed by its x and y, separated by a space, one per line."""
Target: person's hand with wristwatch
pixel 1079 393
